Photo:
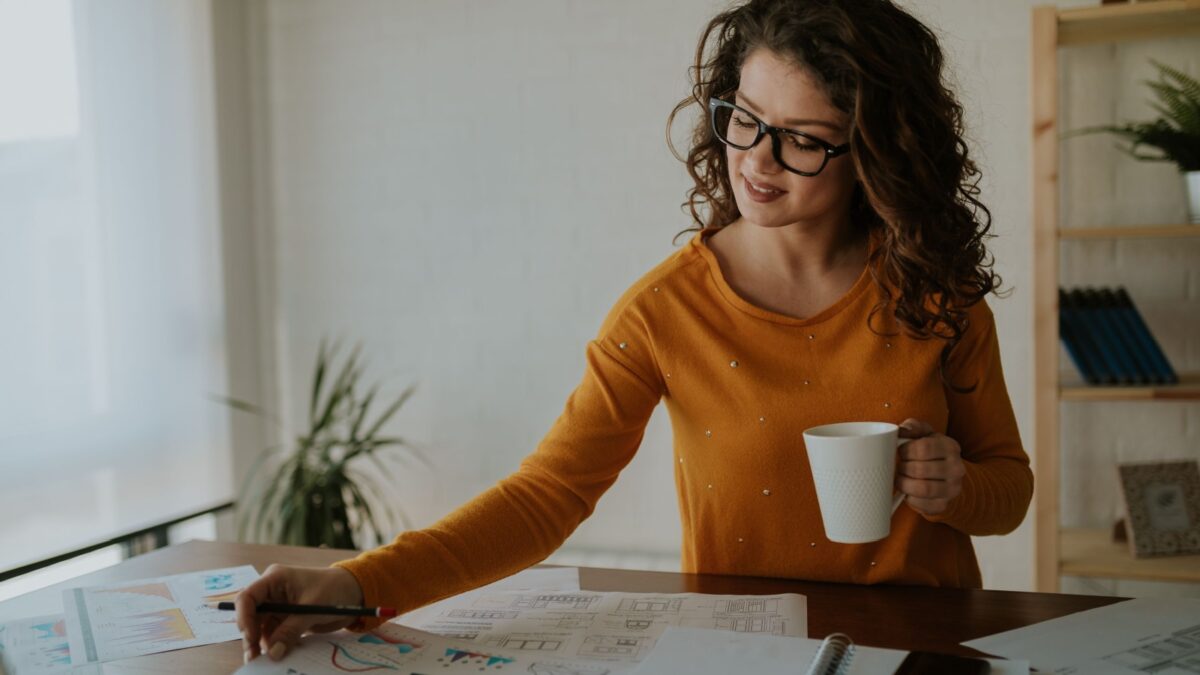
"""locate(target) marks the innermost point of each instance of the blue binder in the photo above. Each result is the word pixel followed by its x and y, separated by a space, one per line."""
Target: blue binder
pixel 1162 369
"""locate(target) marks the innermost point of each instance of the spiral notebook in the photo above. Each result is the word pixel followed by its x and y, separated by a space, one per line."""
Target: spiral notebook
pixel 834 656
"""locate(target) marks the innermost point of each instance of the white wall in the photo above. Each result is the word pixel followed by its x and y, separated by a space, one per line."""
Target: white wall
pixel 466 187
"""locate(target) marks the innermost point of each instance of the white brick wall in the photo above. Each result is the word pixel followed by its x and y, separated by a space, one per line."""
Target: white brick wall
pixel 467 186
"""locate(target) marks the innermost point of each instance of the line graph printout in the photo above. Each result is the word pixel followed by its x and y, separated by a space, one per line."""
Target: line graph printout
pixel 616 629
pixel 393 648
pixel 148 616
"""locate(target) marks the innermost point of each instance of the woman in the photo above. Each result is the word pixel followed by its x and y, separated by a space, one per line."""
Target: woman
pixel 838 274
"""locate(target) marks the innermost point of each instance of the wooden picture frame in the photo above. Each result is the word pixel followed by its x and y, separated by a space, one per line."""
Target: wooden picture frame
pixel 1162 506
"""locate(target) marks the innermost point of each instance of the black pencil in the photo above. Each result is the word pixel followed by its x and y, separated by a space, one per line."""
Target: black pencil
pixel 280 608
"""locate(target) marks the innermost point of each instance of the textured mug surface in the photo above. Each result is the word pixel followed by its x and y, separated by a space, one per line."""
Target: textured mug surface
pixel 853 466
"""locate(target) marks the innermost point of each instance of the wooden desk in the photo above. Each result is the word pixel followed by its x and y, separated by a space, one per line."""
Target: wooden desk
pixel 899 617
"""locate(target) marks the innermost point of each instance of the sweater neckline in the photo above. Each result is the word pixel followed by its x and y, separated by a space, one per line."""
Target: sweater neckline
pixel 700 244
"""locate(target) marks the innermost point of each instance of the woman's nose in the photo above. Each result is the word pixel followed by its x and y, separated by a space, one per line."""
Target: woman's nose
pixel 762 158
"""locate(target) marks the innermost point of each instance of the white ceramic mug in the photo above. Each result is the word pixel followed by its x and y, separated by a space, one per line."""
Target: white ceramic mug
pixel 853 468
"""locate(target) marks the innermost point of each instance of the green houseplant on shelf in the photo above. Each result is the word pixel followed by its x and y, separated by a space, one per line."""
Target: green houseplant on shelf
pixel 1175 135
pixel 330 487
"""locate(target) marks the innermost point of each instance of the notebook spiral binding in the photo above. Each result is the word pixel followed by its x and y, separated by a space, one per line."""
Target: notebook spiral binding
pixel 834 656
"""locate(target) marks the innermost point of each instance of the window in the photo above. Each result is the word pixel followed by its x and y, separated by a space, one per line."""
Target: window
pixel 110 274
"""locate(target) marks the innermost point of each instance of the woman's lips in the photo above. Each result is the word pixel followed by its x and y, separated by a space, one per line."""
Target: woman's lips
pixel 764 195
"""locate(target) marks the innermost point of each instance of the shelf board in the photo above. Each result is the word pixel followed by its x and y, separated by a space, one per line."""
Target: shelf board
pixel 1130 232
pixel 1121 22
pixel 1188 389
pixel 1092 553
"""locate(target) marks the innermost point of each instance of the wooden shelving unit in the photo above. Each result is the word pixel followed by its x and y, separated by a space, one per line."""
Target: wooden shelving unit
pixel 1121 23
pixel 1093 553
pixel 1137 232
pixel 1061 551
pixel 1188 389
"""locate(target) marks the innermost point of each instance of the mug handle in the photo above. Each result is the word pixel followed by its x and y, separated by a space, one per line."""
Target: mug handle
pixel 898 499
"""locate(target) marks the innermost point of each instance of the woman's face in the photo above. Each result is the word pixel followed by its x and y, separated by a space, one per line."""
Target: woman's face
pixel 785 95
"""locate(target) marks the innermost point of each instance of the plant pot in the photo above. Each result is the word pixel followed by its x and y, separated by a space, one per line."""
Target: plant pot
pixel 1191 182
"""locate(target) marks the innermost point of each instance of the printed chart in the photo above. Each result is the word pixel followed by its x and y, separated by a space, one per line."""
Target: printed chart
pixel 37 645
pixel 105 623
pixel 614 629
pixel 390 648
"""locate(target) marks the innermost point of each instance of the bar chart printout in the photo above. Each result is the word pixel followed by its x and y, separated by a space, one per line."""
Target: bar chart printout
pixel 105 623
pixel 37 645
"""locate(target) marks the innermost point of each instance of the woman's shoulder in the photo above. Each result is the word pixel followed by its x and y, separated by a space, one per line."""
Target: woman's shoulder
pixel 656 290
pixel 681 266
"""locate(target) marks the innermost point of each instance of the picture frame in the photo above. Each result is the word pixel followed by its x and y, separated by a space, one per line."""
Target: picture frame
pixel 1162 506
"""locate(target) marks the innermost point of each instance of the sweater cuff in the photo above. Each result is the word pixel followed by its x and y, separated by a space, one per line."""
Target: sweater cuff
pixel 361 571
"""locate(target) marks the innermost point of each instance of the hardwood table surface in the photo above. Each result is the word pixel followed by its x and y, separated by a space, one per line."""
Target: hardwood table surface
pixel 897 617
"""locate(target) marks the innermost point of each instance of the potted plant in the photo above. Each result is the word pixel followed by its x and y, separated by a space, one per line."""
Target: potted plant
pixel 1175 135
pixel 330 487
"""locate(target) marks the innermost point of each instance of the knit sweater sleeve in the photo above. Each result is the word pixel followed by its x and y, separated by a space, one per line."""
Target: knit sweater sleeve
pixel 527 515
pixel 998 485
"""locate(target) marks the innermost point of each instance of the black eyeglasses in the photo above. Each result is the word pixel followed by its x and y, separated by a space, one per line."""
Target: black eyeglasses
pixel 795 151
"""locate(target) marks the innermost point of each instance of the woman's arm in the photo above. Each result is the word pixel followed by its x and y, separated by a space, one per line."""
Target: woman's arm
pixel 996 482
pixel 526 516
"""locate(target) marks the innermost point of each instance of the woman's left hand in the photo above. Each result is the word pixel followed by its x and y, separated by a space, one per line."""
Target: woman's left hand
pixel 931 468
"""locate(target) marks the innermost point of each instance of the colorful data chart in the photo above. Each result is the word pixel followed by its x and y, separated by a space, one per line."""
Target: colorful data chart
pixel 167 625
pixel 390 648
pixel 155 590
pixel 37 646
pixel 148 616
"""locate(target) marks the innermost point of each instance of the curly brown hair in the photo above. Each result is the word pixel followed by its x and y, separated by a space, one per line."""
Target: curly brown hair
pixel 918 188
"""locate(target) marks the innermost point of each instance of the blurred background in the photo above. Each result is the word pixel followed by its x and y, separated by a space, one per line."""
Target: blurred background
pixel 194 194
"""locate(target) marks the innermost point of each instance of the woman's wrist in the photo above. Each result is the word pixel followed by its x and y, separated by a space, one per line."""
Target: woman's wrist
pixel 348 586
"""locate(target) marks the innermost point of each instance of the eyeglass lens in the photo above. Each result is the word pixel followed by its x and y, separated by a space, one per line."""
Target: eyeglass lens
pixel 738 129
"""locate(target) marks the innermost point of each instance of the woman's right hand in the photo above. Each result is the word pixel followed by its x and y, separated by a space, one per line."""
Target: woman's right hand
pixel 274 634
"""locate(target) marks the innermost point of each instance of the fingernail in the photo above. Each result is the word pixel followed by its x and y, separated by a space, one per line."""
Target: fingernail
pixel 277 651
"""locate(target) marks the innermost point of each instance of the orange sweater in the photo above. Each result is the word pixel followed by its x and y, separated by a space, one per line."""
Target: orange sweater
pixel 740 383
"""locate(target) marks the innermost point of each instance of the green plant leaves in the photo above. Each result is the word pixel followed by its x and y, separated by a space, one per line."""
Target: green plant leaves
pixel 1176 134
pixel 313 496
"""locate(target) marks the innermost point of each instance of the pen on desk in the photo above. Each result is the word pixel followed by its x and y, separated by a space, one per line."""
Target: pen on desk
pixel 281 608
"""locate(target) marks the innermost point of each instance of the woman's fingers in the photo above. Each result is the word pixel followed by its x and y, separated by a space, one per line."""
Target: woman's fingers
pixel 938 469
pixel 287 634
pixel 929 506
pixel 930 471
pixel 248 620
pixel 274 634
pixel 928 489
pixel 914 428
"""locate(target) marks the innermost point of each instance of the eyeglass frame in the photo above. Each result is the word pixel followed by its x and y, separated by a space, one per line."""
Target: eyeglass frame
pixel 765 129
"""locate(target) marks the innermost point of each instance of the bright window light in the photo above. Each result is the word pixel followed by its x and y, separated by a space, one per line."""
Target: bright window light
pixel 38 82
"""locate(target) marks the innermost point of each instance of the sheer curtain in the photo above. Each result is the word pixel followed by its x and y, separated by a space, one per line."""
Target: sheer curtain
pixel 111 295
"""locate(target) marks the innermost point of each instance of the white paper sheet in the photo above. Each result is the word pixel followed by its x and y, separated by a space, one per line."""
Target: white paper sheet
pixel 615 628
pixel 534 578
pixel 544 578
pixel 708 652
pixel 407 651
pixel 1008 667
pixel 705 652
pixel 35 646
pixel 1142 635
pixel 148 616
